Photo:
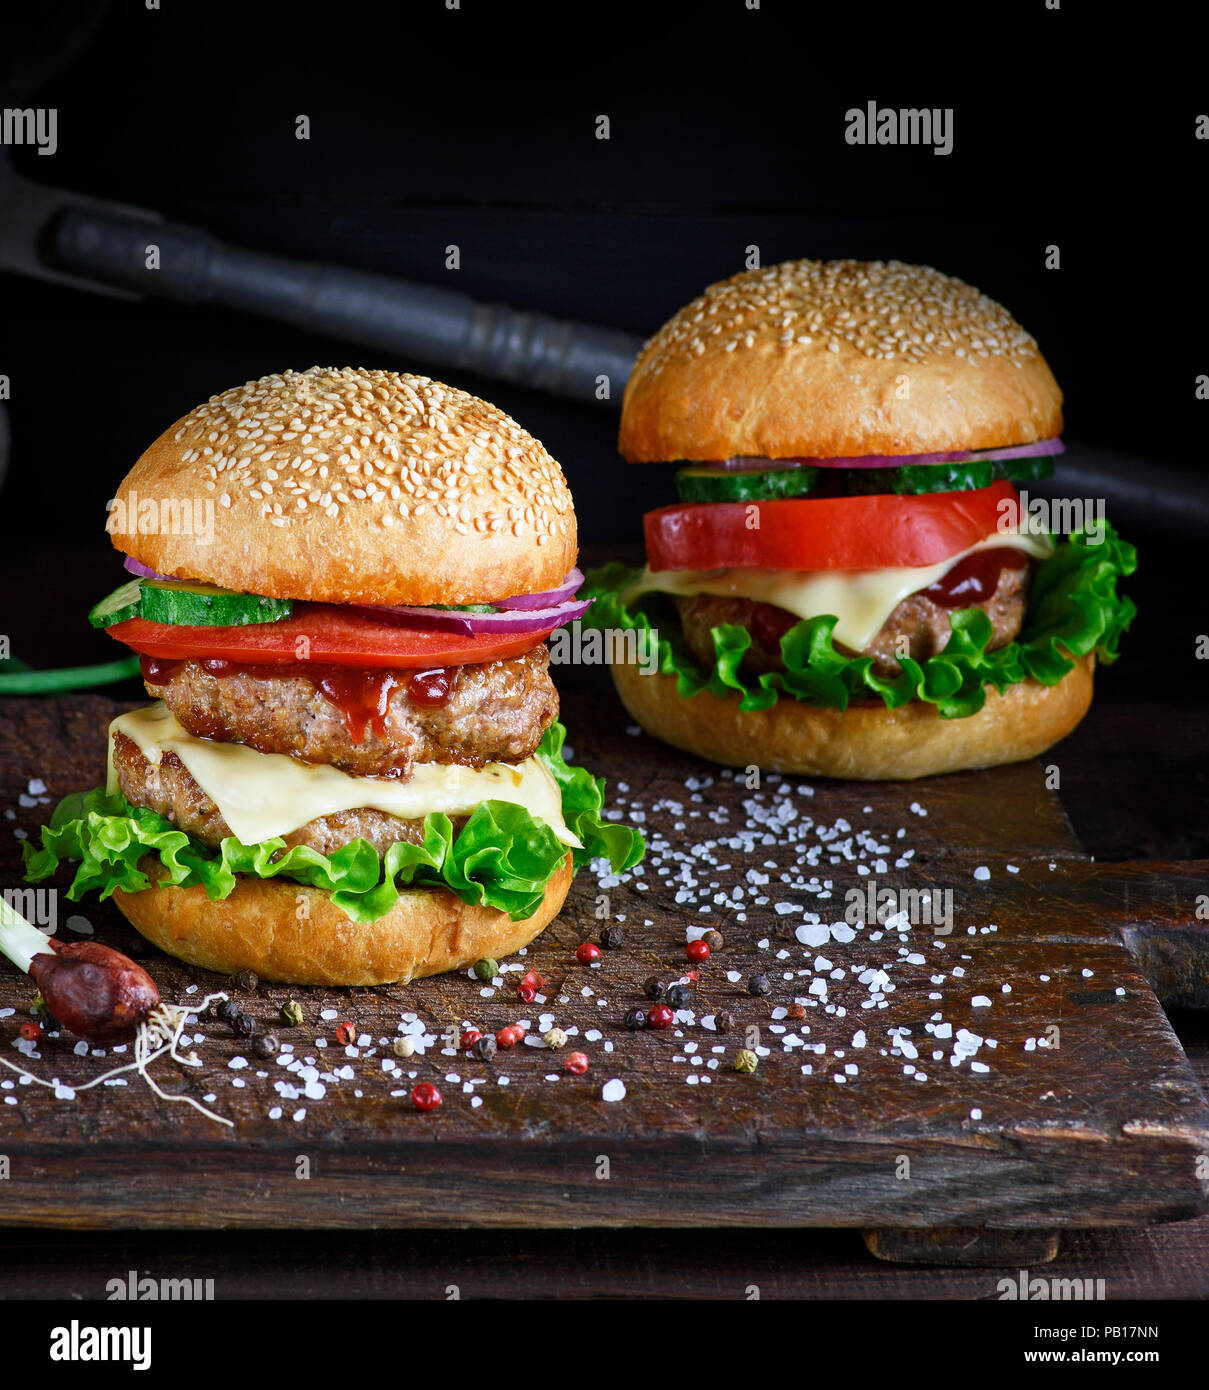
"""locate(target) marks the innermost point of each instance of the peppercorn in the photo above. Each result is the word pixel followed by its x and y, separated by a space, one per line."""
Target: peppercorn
pixel 245 980
pixel 588 953
pixel 403 1047
pixel 533 980
pixel 611 937
pixel 576 1062
pixel 486 969
pixel 679 996
pixel 31 1032
pixel 346 1034
pixel 291 1013
pixel 509 1035
pixel 660 1017
pixel 724 1021
pixel 425 1096
pixel 555 1038
pixel 228 1011
pixel 796 1011
pixel 746 1060
pixel 714 940
pixel 654 988
pixel 526 994
pixel 244 1025
pixel 635 1020
pixel 265 1045
pixel 485 1048
pixel 759 984
pixel 469 1038
pixel 697 950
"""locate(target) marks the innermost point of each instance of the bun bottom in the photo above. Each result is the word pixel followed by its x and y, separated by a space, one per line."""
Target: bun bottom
pixel 296 935
pixel 865 741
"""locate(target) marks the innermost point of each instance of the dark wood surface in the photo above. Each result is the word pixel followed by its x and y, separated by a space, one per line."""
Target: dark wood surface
pixel 1103 1129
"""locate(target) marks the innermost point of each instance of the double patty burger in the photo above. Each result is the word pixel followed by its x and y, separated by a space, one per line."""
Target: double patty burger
pixel 849 585
pixel 353 773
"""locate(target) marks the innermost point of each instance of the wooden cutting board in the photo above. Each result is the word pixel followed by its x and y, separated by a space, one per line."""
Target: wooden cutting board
pixel 959 1097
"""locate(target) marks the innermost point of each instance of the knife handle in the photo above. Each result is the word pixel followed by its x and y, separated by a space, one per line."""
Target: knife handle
pixel 418 322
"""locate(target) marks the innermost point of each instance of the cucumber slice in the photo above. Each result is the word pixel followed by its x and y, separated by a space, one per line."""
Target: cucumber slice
pixel 116 607
pixel 712 485
pixel 917 479
pixel 183 602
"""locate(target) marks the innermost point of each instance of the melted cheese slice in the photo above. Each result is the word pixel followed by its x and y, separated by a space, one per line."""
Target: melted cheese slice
pixel 861 600
pixel 262 795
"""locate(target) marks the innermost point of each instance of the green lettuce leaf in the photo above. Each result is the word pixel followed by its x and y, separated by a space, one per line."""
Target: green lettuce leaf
pixel 1073 609
pixel 502 857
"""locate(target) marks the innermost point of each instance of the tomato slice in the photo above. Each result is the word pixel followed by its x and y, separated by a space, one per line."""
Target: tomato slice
pixel 828 533
pixel 325 633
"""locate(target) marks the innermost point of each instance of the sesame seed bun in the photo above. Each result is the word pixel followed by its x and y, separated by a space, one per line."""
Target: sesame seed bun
pixel 837 359
pixel 865 741
pixel 353 486
pixel 296 935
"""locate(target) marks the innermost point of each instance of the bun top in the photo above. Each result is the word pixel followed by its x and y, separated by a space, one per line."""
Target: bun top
pixel 836 359
pixel 350 486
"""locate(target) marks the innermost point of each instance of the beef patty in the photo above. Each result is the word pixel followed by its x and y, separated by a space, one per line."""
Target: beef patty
pixel 495 712
pixel 169 788
pixel 923 624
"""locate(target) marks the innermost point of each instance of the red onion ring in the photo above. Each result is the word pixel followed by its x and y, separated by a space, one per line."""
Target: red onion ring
pixel 551 598
pixel 1011 451
pixel 518 620
pixel 137 568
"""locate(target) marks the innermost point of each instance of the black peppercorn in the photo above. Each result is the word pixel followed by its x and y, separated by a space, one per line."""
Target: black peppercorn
pixel 654 988
pixel 244 1025
pixel 714 940
pixel 265 1045
pixel 635 1019
pixel 611 937
pixel 227 1010
pixel 245 980
pixel 678 996
pixel 724 1021
pixel 759 984
pixel 485 1048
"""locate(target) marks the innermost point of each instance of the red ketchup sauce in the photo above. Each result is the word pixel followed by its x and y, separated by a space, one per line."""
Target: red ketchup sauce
pixel 975 579
pixel 361 694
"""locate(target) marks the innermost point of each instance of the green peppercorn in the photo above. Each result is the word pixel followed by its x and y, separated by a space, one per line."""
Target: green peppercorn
pixel 486 969
pixel 291 1013
pixel 746 1060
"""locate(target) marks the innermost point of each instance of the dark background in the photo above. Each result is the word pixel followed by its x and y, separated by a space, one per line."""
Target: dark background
pixel 476 126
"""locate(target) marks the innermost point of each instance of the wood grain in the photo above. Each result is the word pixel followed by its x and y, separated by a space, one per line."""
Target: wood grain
pixel 1103 1129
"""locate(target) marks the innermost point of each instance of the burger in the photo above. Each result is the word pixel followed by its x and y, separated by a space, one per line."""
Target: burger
pixel 851 583
pixel 353 771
